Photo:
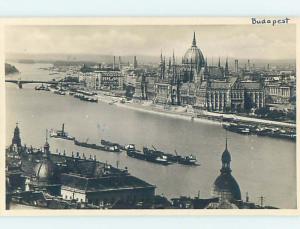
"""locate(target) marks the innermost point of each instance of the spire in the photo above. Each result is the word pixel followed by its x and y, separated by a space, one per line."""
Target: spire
pixel 16 138
pixel 226 158
pixel 219 64
pixel 173 58
pixel 46 146
pixel 194 40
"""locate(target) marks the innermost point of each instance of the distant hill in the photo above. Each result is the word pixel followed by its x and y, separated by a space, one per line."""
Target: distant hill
pixel 10 69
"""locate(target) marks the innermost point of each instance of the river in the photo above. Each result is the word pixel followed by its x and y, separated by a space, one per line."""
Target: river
pixel 262 166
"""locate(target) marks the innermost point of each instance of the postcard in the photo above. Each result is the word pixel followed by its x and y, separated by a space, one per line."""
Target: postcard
pixel 149 116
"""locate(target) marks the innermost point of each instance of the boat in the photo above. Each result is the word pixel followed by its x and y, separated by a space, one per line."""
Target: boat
pixel 188 160
pixel 59 92
pixel 108 143
pixel 238 128
pixel 61 134
pixel 42 88
pixel 86 98
pixel 147 155
pixel 96 146
pixel 156 156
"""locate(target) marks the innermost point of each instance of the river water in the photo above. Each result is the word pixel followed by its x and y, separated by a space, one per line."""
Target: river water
pixel 262 166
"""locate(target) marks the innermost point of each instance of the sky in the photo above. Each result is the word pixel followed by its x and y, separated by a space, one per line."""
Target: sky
pixel 233 41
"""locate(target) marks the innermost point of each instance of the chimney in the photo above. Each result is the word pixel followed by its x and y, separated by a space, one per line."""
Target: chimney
pixel 236 66
pixel 114 63
pixel 119 62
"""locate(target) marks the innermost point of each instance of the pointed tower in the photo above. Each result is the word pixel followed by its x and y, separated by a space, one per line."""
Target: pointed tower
pixel 225 186
pixel 194 43
pixel 173 59
pixel 16 140
pixel 219 63
pixel 46 146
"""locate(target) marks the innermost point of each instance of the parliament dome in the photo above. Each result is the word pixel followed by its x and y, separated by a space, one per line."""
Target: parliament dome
pixel 194 55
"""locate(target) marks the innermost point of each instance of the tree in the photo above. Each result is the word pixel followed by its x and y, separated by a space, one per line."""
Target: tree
pixel 249 104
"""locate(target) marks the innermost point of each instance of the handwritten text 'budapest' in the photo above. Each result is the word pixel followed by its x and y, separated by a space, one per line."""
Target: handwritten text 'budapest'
pixel 272 22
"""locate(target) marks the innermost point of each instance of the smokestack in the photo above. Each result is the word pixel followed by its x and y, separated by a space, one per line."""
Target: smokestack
pixel 248 65
pixel 119 62
pixel 114 63
pixel 236 66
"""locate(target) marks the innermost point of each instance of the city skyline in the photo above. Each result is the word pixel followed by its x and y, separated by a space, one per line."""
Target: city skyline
pixel 233 41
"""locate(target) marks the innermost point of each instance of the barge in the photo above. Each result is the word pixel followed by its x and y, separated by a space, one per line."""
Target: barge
pixel 113 148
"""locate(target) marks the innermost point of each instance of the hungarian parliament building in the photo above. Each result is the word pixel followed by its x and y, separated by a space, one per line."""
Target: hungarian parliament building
pixel 214 88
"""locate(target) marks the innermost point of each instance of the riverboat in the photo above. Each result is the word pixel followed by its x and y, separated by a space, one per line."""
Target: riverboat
pixel 238 128
pixel 61 134
pixel 42 88
pixel 147 155
pixel 96 146
pixel 108 143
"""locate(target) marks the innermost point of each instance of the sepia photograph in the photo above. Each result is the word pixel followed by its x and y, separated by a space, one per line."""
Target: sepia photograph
pixel 145 116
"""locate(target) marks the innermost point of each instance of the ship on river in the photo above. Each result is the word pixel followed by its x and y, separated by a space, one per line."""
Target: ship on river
pixel 247 129
pixel 159 157
pixel 147 155
pixel 109 148
pixel 61 134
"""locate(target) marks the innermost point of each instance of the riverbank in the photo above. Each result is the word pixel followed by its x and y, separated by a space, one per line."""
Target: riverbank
pixel 182 113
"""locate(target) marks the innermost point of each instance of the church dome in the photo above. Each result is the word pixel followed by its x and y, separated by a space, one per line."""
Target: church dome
pixel 225 186
pixel 194 55
pixel 45 171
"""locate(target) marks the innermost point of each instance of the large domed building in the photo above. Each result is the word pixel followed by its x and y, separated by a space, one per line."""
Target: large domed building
pixel 225 186
pixel 193 56
pixel 45 174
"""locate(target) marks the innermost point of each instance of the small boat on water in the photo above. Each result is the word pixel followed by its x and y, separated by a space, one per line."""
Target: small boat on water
pixel 113 148
pixel 59 92
pixel 86 98
pixel 42 88
pixel 188 160
pixel 61 134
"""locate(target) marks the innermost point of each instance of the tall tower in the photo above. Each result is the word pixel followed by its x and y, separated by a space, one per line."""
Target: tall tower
pixel 225 186
pixel 236 66
pixel 16 140
pixel 194 43
pixel 135 64
pixel 120 64
pixel 226 68
pixel 114 63
pixel 46 146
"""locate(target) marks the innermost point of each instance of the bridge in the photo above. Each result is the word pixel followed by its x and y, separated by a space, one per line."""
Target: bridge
pixel 21 82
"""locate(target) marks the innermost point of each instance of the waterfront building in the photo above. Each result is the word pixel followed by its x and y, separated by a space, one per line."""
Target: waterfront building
pixel 278 93
pixel 92 80
pixel 247 95
pixel 218 96
pixel 112 80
